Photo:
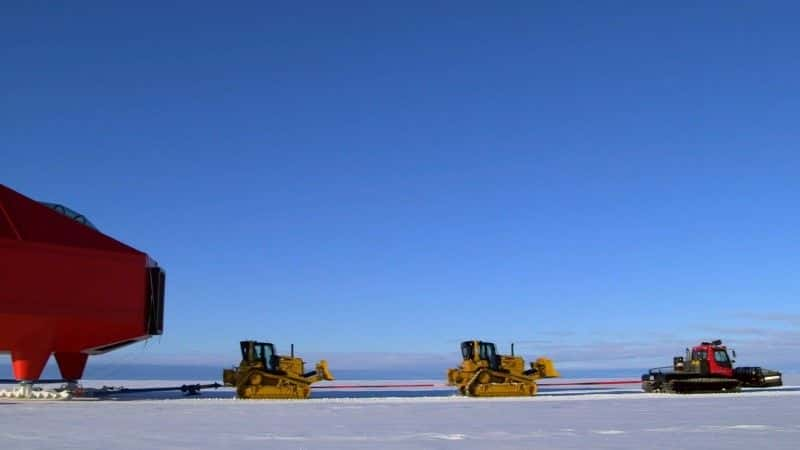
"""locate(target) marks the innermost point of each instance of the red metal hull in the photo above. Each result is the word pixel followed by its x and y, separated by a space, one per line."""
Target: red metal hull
pixel 69 290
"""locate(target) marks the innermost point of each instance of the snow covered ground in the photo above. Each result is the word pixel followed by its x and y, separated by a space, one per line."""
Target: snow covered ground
pixel 559 418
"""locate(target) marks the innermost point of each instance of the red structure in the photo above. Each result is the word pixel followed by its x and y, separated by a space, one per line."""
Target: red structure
pixel 68 289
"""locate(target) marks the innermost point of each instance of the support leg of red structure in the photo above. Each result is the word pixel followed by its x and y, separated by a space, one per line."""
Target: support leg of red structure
pixel 71 364
pixel 28 364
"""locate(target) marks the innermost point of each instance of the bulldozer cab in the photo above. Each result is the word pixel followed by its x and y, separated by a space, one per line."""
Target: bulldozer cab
pixel 486 352
pixel 263 352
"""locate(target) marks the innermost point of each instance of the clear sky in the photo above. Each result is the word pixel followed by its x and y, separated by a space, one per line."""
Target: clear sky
pixel 593 180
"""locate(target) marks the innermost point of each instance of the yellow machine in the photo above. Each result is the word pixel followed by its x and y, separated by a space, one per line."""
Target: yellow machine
pixel 264 374
pixel 484 373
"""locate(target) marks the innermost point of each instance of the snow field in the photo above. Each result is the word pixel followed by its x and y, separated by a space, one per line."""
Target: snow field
pixel 576 419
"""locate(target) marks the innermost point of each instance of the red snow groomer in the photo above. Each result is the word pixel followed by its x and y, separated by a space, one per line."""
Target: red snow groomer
pixel 708 368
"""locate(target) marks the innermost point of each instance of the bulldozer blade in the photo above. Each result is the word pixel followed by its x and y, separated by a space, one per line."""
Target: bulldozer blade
pixel 323 371
pixel 545 368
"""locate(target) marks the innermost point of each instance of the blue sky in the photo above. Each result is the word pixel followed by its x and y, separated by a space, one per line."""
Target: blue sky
pixel 590 179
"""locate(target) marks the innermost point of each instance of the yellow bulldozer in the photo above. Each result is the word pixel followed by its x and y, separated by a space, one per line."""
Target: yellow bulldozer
pixel 484 373
pixel 265 374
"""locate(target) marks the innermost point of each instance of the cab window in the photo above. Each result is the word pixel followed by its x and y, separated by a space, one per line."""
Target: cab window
pixel 487 351
pixel 466 350
pixel 721 357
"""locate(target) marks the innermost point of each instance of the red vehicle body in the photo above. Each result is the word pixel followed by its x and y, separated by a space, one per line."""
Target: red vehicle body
pixel 68 289
pixel 715 357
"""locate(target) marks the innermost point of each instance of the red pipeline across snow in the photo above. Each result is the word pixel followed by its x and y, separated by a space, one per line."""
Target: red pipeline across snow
pixel 432 385
pixel 367 386
pixel 591 383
